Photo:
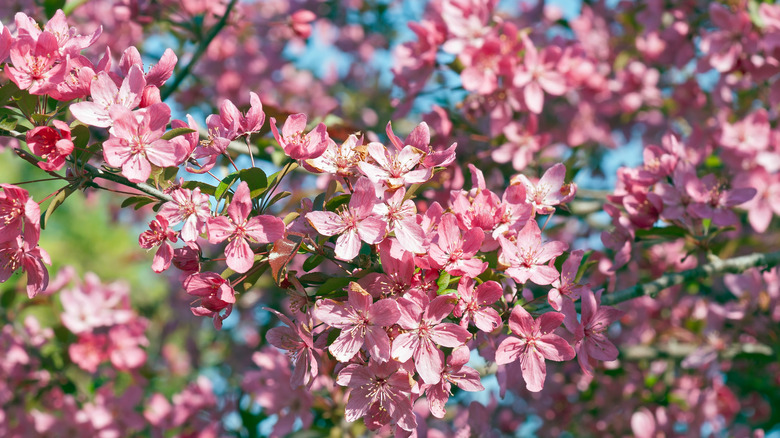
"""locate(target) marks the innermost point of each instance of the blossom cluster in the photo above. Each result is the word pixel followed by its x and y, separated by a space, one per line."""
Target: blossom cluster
pixel 402 284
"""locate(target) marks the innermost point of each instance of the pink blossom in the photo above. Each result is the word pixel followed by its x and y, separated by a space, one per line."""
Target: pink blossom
pixel 456 371
pixel 240 229
pixel 379 392
pixel 300 22
pixel 523 141
pixel 191 207
pixel 589 333
pixel 424 330
pixel 21 254
pixel 564 290
pixel 474 304
pixel 187 258
pixel 762 207
pixel 270 388
pixel 550 190
pixel 338 160
pixel 136 144
pixel 467 22
pixel 89 351
pixel 68 40
pixel 532 344
pixel 420 139
pixel 482 66
pixel 157 74
pixel 105 94
pixel 37 64
pixel 296 145
pixel 354 223
pixel 297 339
pixel 539 75
pixel 218 140
pixel 92 304
pixel 485 210
pixel 398 266
pixel 51 144
pixel 527 258
pixel 126 340
pixel 712 201
pixel 216 294
pixel 361 322
pixel 394 169
pixel 19 214
pixel 725 44
pixel 158 235
pixel 239 124
pixel 454 252
pixel 401 218
pixel 6 40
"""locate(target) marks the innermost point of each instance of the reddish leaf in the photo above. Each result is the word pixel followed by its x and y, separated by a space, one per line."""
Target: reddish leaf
pixel 283 251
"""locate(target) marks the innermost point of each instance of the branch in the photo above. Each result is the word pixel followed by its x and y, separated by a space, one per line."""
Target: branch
pixel 204 44
pixel 142 187
pixel 735 265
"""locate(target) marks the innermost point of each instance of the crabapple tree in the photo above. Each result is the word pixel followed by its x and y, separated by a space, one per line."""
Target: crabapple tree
pixel 442 218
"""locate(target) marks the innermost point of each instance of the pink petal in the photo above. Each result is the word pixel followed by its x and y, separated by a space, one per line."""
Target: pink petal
pixel 346 345
pixel 240 257
pixel 534 97
pixel 219 229
pixel 326 223
pixel 378 343
pixel 372 230
pixel 404 346
pixel 265 228
pixel 384 313
pixel 509 350
pixel 487 319
pixel 534 369
pixel 554 347
pixel 429 361
pixel 449 335
pixel 521 322
pixel 347 245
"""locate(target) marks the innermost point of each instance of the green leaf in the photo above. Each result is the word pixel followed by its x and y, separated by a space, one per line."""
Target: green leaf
pixel 255 178
pixel 176 132
pixel 584 265
pixel 55 202
pixel 272 178
pixel 333 285
pixel 251 279
pixel 79 134
pixel 8 91
pixel 139 201
pixel 443 281
pixel 204 188
pixel 8 123
pixel 337 202
pixel 319 202
pixel 314 278
pixel 670 232
pixel 26 102
pixel 312 262
pixel 447 292
pixel 225 184
pixel 51 6
pixel 278 197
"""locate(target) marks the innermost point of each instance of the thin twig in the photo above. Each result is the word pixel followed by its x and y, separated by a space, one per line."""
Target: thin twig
pixel 736 265
pixel 204 44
